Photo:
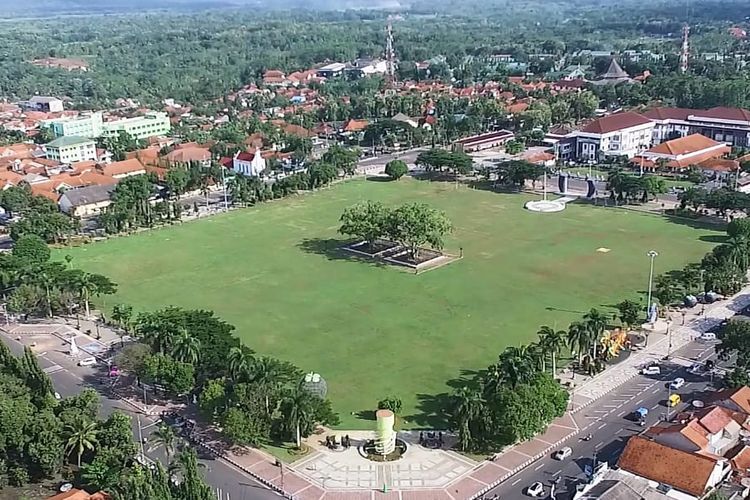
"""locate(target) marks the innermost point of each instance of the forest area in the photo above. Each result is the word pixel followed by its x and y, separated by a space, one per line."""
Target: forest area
pixel 199 56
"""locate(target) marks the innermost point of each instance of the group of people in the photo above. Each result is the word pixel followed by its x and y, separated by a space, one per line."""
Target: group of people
pixel 332 443
pixel 432 440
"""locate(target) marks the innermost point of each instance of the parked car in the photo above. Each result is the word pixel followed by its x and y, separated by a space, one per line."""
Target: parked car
pixel 651 370
pixel 677 383
pixel 696 368
pixel 707 336
pixel 562 453
pixel 90 361
pixel 535 490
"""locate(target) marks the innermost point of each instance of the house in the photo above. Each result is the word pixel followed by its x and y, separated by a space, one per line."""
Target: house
pixel 120 169
pixel 711 431
pixel 737 400
pixel 331 70
pixel 569 85
pixel 722 124
pixel 366 67
pixel 76 494
pixel 275 78
pixel 188 154
pixel 46 104
pixel 483 141
pixel 400 117
pixel 354 126
pixel 70 149
pixel 669 468
pixel 619 134
pixel 679 154
pixel 86 201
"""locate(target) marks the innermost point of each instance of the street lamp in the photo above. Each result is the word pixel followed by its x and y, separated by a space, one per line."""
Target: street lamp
pixel 652 255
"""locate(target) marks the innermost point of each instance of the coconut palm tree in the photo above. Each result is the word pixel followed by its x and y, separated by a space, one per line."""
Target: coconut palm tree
pixel 596 323
pixel 165 436
pixel 297 410
pixel 468 405
pixel 81 437
pixel 578 338
pixel 272 374
pixel 516 365
pixel 241 363
pixel 186 348
pixel 553 341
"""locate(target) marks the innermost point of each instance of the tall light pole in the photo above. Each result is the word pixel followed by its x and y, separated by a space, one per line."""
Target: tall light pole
pixel 652 255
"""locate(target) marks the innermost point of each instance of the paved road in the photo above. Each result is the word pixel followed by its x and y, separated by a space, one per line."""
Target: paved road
pixel 609 421
pixel 69 379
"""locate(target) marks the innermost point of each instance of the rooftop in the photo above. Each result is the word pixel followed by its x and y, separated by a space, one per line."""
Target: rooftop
pixel 87 195
pixel 68 141
pixel 687 472
pixel 617 121
pixel 685 145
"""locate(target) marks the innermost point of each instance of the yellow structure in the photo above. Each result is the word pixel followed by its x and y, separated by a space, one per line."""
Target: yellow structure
pixel 385 436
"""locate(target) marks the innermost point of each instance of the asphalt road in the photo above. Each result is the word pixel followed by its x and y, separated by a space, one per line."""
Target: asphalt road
pixel 69 379
pixel 610 422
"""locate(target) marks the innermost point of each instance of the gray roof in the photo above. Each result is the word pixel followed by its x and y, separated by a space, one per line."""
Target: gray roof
pixel 69 140
pixel 609 489
pixel 79 197
pixel 614 71
pixel 41 98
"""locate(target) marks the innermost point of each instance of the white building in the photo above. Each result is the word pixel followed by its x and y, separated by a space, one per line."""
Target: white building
pixel 71 149
pixel 46 104
pixel 250 164
pixel 621 134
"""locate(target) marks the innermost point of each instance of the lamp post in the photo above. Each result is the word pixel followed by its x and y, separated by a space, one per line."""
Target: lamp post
pixel 652 255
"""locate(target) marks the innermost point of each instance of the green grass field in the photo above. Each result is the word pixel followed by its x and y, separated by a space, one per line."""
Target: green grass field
pixel 274 272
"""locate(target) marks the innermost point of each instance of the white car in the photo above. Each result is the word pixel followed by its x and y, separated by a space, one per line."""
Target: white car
pixel 91 361
pixel 707 337
pixel 651 370
pixel 677 383
pixel 535 490
pixel 562 453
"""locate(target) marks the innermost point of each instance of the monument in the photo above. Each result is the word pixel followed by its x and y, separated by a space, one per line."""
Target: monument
pixel 385 436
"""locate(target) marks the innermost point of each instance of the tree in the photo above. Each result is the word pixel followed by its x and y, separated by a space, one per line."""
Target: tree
pixel 466 407
pixel 514 147
pixel 297 409
pixel 165 436
pixel 736 378
pixel 344 159
pixel 132 357
pixel 629 312
pixel 186 348
pixel 122 315
pixel 366 221
pixel 552 342
pixel 31 250
pixel 667 290
pixel 395 169
pixel 241 362
pixel 244 428
pixel 176 377
pixel 596 323
pixel 213 398
pixel 81 437
pixel 735 339
pixel 99 475
pixel 390 403
pixel 578 339
pixel 417 224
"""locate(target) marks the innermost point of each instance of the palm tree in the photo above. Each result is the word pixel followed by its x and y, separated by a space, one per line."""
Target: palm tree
pixel 296 411
pixel 272 373
pixel 516 365
pixel 186 348
pixel 86 287
pixel 578 338
pixel 596 323
pixel 81 437
pixel 468 405
pixel 553 341
pixel 166 437
pixel 537 354
pixel 241 363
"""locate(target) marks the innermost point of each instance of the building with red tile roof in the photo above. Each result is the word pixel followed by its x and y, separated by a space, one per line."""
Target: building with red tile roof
pixel 187 154
pixel 76 494
pixel 722 124
pixel 690 473
pixel 355 125
pixel 120 169
pixel 617 135
pixel 679 154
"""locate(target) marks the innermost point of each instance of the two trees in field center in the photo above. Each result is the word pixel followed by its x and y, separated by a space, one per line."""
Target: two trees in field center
pixel 412 225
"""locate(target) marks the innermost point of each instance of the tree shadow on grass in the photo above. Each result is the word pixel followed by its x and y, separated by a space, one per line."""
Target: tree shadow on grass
pixel 713 238
pixel 332 249
pixel 377 178
pixel 432 409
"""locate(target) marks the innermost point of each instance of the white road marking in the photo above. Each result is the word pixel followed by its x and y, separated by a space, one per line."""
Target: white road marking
pixel 516 482
pixel 655 406
pixel 602 426
pixel 539 467
pixel 640 401
pixel 598 445
pixel 655 390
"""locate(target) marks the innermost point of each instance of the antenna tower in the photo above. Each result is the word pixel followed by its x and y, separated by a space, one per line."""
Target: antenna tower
pixel 685 52
pixel 390 53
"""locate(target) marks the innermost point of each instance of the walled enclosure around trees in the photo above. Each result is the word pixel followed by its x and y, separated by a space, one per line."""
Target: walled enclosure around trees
pixel 278 274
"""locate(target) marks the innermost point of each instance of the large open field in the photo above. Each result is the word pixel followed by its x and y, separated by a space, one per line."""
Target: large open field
pixel 274 272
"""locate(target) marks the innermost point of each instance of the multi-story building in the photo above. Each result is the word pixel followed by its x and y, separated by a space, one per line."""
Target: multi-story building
pixel 92 125
pixel 151 124
pixel 87 125
pixel 45 104
pixel 71 149
pixel 728 125
pixel 620 134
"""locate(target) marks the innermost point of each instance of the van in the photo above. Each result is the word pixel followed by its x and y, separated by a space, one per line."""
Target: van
pixel 707 336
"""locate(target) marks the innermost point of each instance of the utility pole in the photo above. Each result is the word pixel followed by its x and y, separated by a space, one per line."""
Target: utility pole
pixel 652 255
pixel 140 439
pixel 390 54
